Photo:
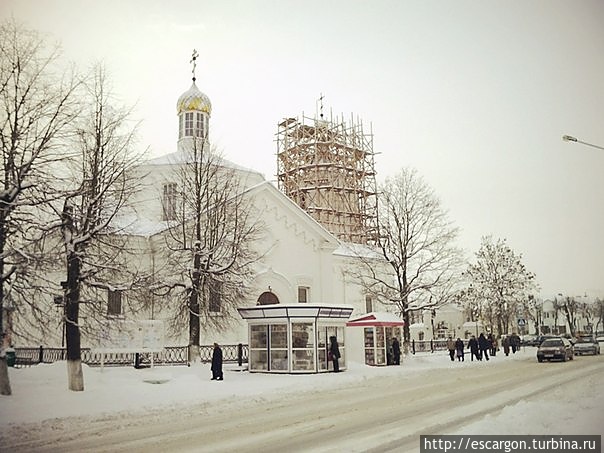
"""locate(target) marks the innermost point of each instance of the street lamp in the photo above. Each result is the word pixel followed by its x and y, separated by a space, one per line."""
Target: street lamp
pixel 570 138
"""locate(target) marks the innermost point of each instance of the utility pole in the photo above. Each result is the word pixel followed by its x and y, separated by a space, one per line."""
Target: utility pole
pixel 570 138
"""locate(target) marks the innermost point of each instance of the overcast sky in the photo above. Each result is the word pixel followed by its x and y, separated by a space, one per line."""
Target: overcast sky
pixel 476 95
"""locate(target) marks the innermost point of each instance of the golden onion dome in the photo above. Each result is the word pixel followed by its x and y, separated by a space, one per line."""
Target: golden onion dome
pixel 193 99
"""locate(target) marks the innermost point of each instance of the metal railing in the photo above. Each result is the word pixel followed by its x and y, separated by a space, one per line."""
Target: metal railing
pixel 431 345
pixel 171 355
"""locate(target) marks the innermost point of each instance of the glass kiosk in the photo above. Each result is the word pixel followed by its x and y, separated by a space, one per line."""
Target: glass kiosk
pixel 294 338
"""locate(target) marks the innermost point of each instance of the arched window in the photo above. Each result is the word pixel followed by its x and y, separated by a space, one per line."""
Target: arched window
pixel 267 298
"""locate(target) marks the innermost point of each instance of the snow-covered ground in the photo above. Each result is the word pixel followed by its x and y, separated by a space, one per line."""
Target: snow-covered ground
pixel 40 393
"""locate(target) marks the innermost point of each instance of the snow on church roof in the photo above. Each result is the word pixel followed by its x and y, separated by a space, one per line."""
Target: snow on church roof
pixel 182 157
pixel 358 251
pixel 376 319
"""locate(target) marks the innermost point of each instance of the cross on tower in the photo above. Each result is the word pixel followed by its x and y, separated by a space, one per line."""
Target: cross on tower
pixel 194 61
pixel 321 104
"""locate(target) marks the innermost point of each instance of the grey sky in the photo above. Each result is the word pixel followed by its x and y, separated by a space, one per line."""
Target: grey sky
pixel 474 94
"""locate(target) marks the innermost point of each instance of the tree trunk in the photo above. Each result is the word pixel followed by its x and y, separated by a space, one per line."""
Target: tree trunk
pixel 194 302
pixel 406 331
pixel 75 375
pixel 4 380
pixel 72 327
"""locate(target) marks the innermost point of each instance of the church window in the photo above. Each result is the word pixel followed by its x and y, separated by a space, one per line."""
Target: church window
pixel 215 302
pixel 189 124
pixel 368 304
pixel 267 298
pixel 114 302
pixel 180 131
pixel 169 201
pixel 302 294
pixel 199 126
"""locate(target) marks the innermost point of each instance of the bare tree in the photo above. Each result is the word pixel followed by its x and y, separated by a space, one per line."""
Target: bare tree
pixel 533 309
pixel 501 281
pixel 571 309
pixel 100 188
pixel 588 311
pixel 209 244
pixel 36 109
pixel 420 263
pixel 598 313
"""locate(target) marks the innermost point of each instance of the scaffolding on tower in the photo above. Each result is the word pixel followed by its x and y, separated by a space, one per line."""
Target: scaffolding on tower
pixel 327 168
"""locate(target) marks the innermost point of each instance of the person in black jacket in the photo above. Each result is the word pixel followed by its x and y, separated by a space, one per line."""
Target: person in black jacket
pixel 459 347
pixel 515 343
pixel 473 346
pixel 217 363
pixel 396 352
pixel 334 352
pixel 484 345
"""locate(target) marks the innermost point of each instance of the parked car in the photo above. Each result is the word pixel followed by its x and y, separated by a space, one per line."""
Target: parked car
pixel 555 349
pixel 530 340
pixel 569 337
pixel 542 338
pixel 587 345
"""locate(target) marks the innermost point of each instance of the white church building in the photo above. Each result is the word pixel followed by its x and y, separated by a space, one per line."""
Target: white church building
pixel 302 269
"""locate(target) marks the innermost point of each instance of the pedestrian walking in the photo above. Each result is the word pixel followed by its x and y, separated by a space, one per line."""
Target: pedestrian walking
pixel 515 343
pixel 459 347
pixel 451 348
pixel 506 345
pixel 217 363
pixel 494 345
pixel 484 345
pixel 473 347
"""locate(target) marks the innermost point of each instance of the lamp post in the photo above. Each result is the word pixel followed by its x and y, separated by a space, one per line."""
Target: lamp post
pixel 570 138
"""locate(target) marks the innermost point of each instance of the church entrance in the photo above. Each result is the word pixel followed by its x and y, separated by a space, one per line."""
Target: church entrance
pixel 267 298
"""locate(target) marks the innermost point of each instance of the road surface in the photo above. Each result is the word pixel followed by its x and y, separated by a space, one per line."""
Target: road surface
pixel 380 415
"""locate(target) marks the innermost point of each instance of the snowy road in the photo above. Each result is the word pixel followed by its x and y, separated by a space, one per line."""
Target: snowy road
pixel 379 414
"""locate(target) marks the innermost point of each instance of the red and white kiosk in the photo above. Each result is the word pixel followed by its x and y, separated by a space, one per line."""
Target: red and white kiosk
pixel 370 337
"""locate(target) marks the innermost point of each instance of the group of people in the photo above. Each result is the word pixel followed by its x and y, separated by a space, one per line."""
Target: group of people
pixel 482 346
pixel 479 348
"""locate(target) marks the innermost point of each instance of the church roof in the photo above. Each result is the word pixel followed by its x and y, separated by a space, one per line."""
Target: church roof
pixel 384 319
pixel 183 157
pixel 193 99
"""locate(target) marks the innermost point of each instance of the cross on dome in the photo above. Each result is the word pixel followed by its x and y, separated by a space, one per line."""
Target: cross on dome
pixel 194 109
pixel 194 61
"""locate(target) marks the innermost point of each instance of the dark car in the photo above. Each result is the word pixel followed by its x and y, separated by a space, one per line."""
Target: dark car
pixel 542 338
pixel 530 340
pixel 555 349
pixel 587 345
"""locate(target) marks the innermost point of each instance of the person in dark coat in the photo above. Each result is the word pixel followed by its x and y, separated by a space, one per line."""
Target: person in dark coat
pixel 484 345
pixel 515 343
pixel 459 348
pixel 506 345
pixel 217 363
pixel 473 347
pixel 396 352
pixel 334 352
pixel 494 345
